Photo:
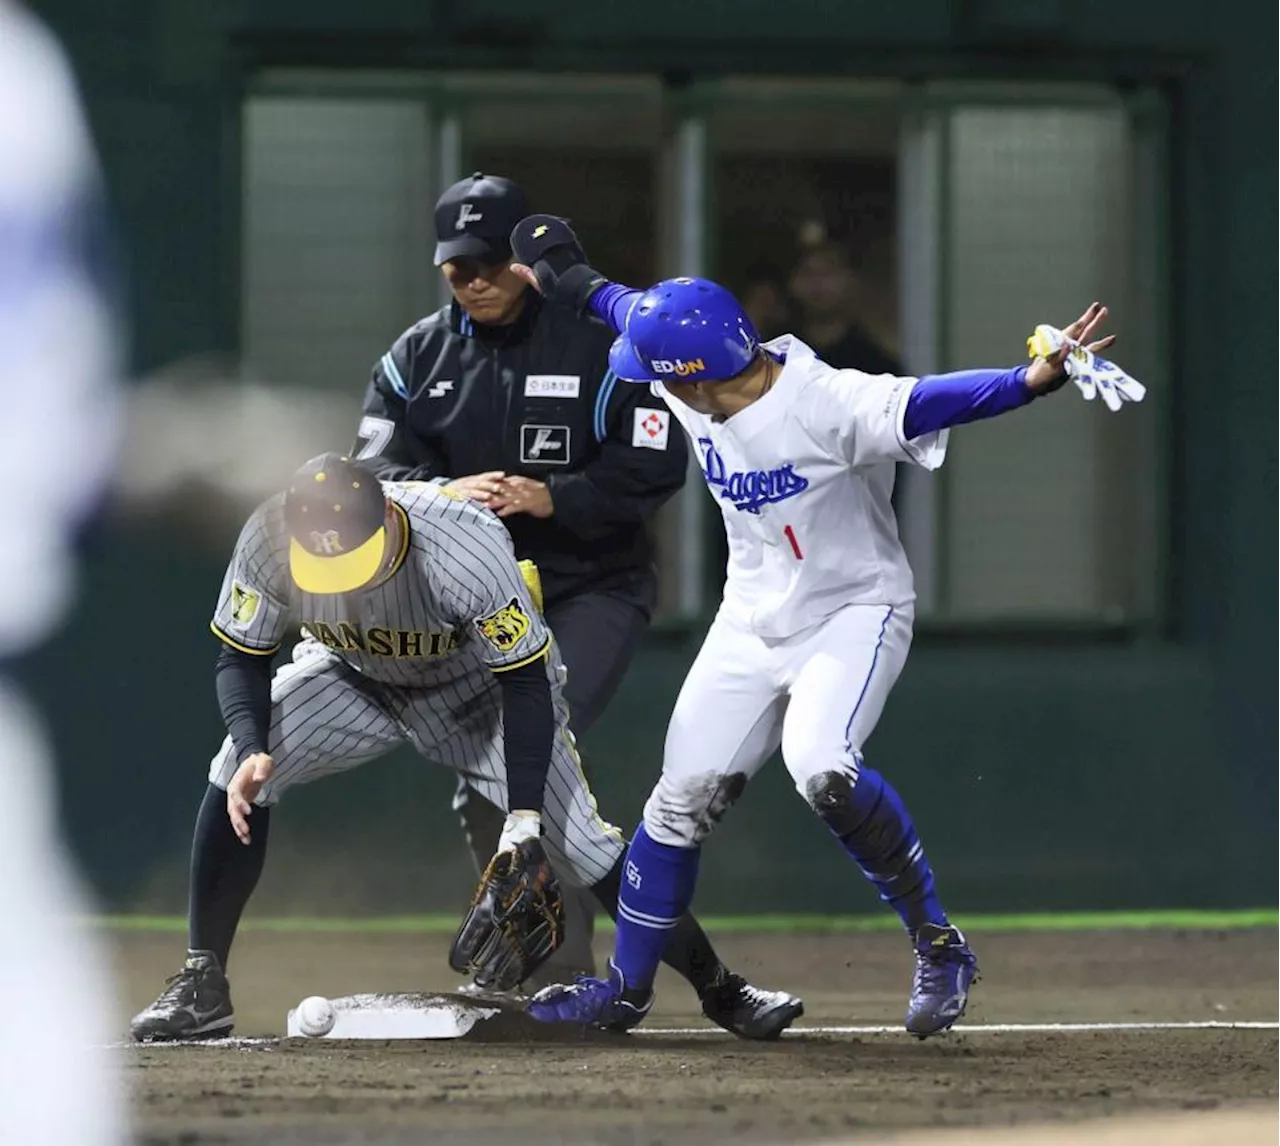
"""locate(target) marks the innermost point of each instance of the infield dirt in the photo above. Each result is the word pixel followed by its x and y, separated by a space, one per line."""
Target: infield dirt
pixel 1164 1086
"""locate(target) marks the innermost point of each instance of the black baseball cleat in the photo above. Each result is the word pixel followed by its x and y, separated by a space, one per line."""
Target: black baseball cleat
pixel 195 1004
pixel 746 1011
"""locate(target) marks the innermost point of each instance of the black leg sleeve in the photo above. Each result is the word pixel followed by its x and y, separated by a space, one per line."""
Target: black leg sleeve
pixel 224 873
pixel 689 949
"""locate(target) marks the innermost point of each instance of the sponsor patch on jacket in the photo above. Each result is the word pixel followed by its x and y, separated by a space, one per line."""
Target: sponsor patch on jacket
pixel 506 628
pixel 651 428
pixel 544 445
pixel 552 385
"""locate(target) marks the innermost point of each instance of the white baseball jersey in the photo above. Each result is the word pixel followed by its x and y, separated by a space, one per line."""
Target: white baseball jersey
pixel 803 477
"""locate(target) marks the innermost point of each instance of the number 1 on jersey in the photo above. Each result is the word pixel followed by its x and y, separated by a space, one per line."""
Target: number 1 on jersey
pixel 795 545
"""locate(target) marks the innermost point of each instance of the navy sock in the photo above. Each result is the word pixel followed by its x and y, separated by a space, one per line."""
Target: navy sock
pixel 688 950
pixel 657 888
pixel 873 825
pixel 224 873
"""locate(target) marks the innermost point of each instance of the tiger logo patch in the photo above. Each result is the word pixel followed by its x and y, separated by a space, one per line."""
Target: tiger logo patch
pixel 507 627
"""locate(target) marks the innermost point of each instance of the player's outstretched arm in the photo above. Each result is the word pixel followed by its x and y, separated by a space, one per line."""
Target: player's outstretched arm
pixel 940 401
pixel 516 919
pixel 549 257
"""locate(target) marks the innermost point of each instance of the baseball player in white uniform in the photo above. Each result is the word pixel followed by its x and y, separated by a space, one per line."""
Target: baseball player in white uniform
pixel 59 363
pixel 818 604
pixel 420 627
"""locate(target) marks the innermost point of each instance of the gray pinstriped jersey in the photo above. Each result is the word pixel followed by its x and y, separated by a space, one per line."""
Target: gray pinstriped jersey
pixel 456 604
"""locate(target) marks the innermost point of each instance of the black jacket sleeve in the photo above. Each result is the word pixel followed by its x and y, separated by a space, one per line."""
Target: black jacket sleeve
pixel 243 683
pixel 529 728
pixel 384 443
pixel 628 482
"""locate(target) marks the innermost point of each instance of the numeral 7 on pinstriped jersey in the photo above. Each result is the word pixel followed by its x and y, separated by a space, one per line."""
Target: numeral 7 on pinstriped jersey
pixel 795 545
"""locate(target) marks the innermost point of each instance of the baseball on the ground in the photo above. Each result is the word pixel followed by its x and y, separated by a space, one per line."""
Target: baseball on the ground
pixel 316 1016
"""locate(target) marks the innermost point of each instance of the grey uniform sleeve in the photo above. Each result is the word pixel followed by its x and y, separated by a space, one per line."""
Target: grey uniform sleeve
pixel 253 607
pixel 490 597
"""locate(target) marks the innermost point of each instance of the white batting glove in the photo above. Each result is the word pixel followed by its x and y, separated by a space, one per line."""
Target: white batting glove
pixel 1092 374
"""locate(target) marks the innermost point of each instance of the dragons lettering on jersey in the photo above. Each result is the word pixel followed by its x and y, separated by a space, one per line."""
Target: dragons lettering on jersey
pixel 750 489
pixel 350 637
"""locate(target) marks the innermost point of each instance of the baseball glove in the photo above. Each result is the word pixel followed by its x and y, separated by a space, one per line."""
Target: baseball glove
pixel 516 920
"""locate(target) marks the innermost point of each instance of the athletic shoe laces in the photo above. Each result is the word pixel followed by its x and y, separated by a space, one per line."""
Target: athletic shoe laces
pixel 175 985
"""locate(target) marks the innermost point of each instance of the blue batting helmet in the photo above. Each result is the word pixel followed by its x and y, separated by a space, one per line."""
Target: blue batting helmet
pixel 684 330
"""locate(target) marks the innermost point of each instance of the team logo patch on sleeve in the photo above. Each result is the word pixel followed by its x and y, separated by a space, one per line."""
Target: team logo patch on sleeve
pixel 244 603
pixel 651 428
pixel 506 628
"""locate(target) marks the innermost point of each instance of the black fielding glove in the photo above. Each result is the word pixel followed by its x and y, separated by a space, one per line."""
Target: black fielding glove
pixel 547 245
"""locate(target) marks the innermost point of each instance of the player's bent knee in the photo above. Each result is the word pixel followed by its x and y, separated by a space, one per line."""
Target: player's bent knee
pixel 830 795
pixel 682 812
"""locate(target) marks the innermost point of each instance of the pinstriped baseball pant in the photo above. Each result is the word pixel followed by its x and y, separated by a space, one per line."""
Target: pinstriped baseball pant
pixel 327 718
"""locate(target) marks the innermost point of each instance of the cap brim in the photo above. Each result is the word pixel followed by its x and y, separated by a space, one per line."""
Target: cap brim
pixel 344 573
pixel 625 363
pixel 471 247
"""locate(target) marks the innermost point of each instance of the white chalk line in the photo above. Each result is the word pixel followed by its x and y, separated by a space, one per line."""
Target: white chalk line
pixel 992 1028
pixel 236 1043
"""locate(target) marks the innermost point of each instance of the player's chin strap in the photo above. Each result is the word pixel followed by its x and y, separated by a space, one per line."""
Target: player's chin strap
pixel 1093 374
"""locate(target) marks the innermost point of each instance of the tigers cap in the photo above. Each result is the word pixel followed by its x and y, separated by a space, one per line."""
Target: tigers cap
pixel 336 514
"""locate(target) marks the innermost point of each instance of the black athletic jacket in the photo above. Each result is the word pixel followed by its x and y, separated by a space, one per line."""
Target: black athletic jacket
pixel 537 398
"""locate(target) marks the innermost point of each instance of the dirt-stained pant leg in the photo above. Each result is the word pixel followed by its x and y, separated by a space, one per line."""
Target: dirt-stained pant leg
pixel 726 723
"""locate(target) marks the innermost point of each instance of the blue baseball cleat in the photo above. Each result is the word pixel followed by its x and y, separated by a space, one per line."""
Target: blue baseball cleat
pixel 945 969
pixel 590 1002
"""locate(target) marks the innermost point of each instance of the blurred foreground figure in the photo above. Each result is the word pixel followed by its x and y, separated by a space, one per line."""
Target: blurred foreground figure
pixel 56 365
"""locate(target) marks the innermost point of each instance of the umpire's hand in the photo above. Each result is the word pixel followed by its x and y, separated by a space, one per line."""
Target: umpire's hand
pixel 254 771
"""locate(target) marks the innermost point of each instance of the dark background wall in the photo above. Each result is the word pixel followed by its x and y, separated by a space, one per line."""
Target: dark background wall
pixel 1045 773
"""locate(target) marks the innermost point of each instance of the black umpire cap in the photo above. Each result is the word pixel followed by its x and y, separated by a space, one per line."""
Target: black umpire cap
pixel 336 514
pixel 474 219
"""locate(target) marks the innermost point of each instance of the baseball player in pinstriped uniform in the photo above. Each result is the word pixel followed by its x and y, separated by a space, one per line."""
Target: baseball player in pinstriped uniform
pixel 418 627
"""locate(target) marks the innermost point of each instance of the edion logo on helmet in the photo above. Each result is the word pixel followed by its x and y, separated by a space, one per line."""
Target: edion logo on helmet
pixel 679 367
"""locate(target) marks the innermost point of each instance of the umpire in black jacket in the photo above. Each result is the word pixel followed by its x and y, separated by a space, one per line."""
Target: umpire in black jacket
pixel 511 402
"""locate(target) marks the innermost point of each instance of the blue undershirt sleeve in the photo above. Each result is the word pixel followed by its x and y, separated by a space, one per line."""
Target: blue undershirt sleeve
pixel 938 401
pixel 612 302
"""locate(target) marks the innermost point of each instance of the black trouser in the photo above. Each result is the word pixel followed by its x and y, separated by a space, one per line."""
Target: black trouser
pixel 597 632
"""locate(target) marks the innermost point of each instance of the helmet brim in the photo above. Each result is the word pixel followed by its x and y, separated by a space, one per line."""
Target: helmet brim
pixel 626 364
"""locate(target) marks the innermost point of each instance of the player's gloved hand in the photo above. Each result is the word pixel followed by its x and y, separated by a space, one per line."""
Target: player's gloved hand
pixel 516 921
pixel 1073 353
pixel 547 255
pixel 1092 374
